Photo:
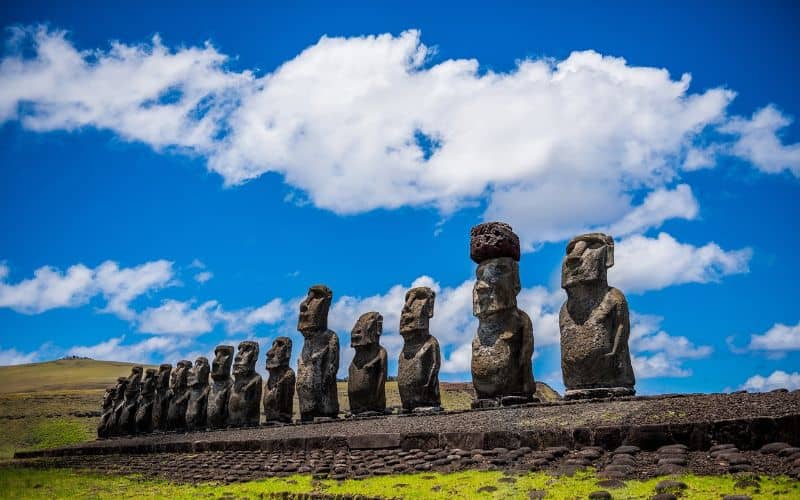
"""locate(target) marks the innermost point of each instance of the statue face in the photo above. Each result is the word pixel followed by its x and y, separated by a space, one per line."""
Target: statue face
pixel 587 260
pixel 181 374
pixel 132 388
pixel 245 361
pixel 496 286
pixel 279 353
pixel 149 382
pixel 367 330
pixel 108 397
pixel 164 377
pixel 122 384
pixel 221 366
pixel 199 374
pixel 417 311
pixel 314 310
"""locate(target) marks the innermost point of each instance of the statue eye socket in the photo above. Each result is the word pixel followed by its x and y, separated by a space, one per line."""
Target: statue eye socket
pixel 594 245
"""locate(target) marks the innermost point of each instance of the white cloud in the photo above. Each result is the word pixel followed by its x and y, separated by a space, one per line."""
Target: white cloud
pixel 779 338
pixel 554 147
pixel 52 288
pixel 15 357
pixel 179 318
pixel 643 263
pixel 657 207
pixel 204 276
pixel 655 353
pixel 758 141
pixel 460 360
pixel 151 350
pixel 778 379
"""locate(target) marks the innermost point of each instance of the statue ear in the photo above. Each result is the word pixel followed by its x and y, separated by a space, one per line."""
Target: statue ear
pixel 431 300
pixel 609 252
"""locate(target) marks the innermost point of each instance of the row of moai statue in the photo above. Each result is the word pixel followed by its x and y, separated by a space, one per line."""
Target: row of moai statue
pixel 595 359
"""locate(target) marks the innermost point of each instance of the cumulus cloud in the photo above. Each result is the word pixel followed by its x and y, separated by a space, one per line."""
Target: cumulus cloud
pixel 758 141
pixel 778 379
pixel 14 357
pixel 203 276
pixel 779 338
pixel 552 146
pixel 655 353
pixel 643 263
pixel 151 350
pixel 52 288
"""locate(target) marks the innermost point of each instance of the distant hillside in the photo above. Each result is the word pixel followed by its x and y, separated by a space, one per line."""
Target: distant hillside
pixel 61 375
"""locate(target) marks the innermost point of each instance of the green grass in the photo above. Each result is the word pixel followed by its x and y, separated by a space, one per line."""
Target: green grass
pixel 61 483
pixel 61 375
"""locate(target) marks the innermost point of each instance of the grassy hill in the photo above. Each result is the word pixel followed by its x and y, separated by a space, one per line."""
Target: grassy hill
pixel 61 375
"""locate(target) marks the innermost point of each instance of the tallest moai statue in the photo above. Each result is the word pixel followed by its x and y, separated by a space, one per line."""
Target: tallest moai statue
pixel 502 370
pixel 594 323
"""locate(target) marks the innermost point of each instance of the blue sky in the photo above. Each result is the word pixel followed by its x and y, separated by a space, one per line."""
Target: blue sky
pixel 174 178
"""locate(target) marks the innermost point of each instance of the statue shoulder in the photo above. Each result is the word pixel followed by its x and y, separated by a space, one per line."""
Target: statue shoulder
pixel 616 296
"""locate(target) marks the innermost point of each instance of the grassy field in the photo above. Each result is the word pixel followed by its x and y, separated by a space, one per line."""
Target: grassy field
pixel 49 404
pixel 26 483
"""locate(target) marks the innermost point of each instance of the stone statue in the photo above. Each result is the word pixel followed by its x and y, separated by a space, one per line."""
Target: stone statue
pixel 319 359
pixel 502 349
pixel 366 383
pixel 127 422
pixel 594 323
pixel 144 405
pixel 179 396
pixel 418 369
pixel 221 382
pixel 279 396
pixel 244 400
pixel 106 413
pixel 198 395
pixel 118 405
pixel 162 396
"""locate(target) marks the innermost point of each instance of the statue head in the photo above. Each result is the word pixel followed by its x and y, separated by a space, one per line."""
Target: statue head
pixel 149 382
pixel 164 377
pixel 198 376
pixel 588 258
pixel 122 384
pixel 108 397
pixel 314 310
pixel 496 286
pixel 280 352
pixel 367 330
pixel 221 366
pixel 417 311
pixel 134 379
pixel 245 361
pixel 181 374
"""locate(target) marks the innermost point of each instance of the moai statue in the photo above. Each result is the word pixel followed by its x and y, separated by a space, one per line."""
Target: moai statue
pixel 179 396
pixel 198 395
pixel 221 382
pixel 144 405
pixel 366 383
pixel 319 359
pixel 502 349
pixel 418 369
pixel 279 396
pixel 119 405
pixel 106 413
pixel 244 401
pixel 127 422
pixel 162 397
pixel 594 323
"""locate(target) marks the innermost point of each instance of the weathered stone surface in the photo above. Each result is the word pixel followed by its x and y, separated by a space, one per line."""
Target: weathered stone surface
pixel 196 411
pixel 594 323
pixel 492 240
pixel 127 420
pixel 319 359
pixel 279 394
pixel 366 383
pixel 179 395
pixel 106 413
pixel 420 359
pixel 144 405
pixel 244 399
pixel 162 397
pixel 220 390
pixel 503 345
